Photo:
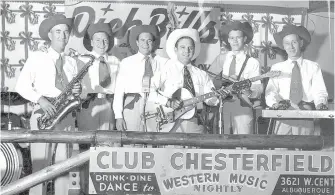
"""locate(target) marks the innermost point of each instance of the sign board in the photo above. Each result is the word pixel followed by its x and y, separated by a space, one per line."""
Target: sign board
pixel 202 171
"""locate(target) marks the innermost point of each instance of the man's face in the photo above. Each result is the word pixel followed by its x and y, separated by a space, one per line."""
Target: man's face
pixel 236 40
pixel 292 45
pixel 100 43
pixel 185 50
pixel 59 36
pixel 145 43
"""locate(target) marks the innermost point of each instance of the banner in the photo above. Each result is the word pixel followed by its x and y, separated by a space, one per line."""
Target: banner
pixel 200 171
pixel 123 16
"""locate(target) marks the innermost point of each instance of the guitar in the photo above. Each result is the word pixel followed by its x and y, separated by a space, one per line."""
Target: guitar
pixel 247 101
pixel 164 118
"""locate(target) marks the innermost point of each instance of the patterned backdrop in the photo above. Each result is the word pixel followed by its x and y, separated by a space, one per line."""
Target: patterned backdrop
pixel 20 22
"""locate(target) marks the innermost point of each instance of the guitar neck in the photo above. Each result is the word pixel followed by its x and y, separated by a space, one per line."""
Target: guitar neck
pixel 198 99
pixel 256 78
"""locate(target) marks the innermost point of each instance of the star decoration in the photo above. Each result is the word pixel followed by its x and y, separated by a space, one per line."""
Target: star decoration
pixel 107 9
pixel 183 12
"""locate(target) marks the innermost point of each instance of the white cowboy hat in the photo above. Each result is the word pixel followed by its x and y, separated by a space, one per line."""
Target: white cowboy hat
pixel 176 35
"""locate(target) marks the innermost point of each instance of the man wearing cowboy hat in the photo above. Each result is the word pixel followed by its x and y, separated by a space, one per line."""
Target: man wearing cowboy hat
pixel 238 115
pixel 46 74
pixel 301 82
pixel 183 46
pixel 137 78
pixel 99 82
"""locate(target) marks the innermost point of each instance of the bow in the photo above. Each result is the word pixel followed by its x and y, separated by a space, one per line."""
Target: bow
pixel 10 17
pixel 10 44
pixel 267 20
pixel 250 18
pixel 50 10
pixel 27 11
pixel 288 20
pixel 226 18
pixel 26 38
pixel 22 62
pixel 9 70
pixel 266 47
pixel 251 50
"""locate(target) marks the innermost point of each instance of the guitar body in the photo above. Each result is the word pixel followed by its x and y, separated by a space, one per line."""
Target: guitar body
pixel 172 117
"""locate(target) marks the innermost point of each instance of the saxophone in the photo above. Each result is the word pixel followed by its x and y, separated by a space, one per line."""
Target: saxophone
pixel 65 103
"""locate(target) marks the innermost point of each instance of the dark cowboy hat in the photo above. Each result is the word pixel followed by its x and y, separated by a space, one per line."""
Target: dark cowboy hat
pixel 52 21
pixel 301 31
pixel 94 28
pixel 137 30
pixel 245 27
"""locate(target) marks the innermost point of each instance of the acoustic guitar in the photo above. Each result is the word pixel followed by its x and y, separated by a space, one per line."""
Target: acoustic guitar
pixel 166 119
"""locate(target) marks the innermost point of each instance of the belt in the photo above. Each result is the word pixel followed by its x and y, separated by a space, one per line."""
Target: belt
pixel 132 95
pixel 101 95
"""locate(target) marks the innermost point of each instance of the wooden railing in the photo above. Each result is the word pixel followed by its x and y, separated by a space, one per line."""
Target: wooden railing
pixel 150 138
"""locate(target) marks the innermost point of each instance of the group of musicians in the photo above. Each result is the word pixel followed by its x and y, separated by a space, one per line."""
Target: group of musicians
pixel 117 91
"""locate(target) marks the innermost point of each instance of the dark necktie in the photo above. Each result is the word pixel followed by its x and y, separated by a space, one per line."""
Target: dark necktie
pixel 61 79
pixel 296 92
pixel 148 73
pixel 188 83
pixel 232 67
pixel 104 74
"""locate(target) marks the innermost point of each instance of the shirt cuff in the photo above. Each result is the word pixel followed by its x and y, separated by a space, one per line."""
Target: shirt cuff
pixel 321 101
pixel 270 101
pixel 35 98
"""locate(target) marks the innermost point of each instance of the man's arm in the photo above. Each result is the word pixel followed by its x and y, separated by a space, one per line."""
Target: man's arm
pixel 119 91
pixel 319 91
pixel 26 80
pixel 208 86
pixel 256 88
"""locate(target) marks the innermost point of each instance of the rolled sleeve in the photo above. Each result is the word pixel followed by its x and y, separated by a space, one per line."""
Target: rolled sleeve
pixel 25 82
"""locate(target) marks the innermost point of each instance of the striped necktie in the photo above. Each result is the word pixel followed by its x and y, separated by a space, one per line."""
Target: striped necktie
pixel 188 83
pixel 148 73
pixel 296 92
pixel 61 79
pixel 232 67
pixel 104 74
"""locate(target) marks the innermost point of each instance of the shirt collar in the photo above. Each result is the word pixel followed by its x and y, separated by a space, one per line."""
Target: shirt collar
pixel 98 55
pixel 54 54
pixel 142 57
pixel 238 54
pixel 299 61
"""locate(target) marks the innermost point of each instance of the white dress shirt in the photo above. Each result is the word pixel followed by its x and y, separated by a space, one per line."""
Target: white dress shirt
pixel 252 69
pixel 37 77
pixel 314 88
pixel 91 79
pixel 172 78
pixel 129 79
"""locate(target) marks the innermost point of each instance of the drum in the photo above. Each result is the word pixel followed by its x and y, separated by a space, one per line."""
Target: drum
pixel 11 163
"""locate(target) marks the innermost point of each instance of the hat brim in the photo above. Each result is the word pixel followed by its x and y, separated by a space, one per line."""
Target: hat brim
pixel 176 35
pixel 95 28
pixel 137 30
pixel 245 27
pixel 48 24
pixel 301 31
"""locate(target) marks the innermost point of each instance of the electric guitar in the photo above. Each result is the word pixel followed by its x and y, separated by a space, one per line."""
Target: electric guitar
pixel 164 119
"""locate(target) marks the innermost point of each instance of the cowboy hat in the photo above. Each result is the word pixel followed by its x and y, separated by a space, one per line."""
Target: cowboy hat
pixel 95 28
pixel 301 31
pixel 245 27
pixel 52 21
pixel 137 30
pixel 179 33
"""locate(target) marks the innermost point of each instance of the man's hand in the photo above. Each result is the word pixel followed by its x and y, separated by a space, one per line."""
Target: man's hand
pixel 322 107
pixel 47 107
pixel 121 124
pixel 44 48
pixel 174 103
pixel 76 91
pixel 282 105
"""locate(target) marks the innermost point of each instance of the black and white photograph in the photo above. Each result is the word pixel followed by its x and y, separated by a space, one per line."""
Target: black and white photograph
pixel 158 97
